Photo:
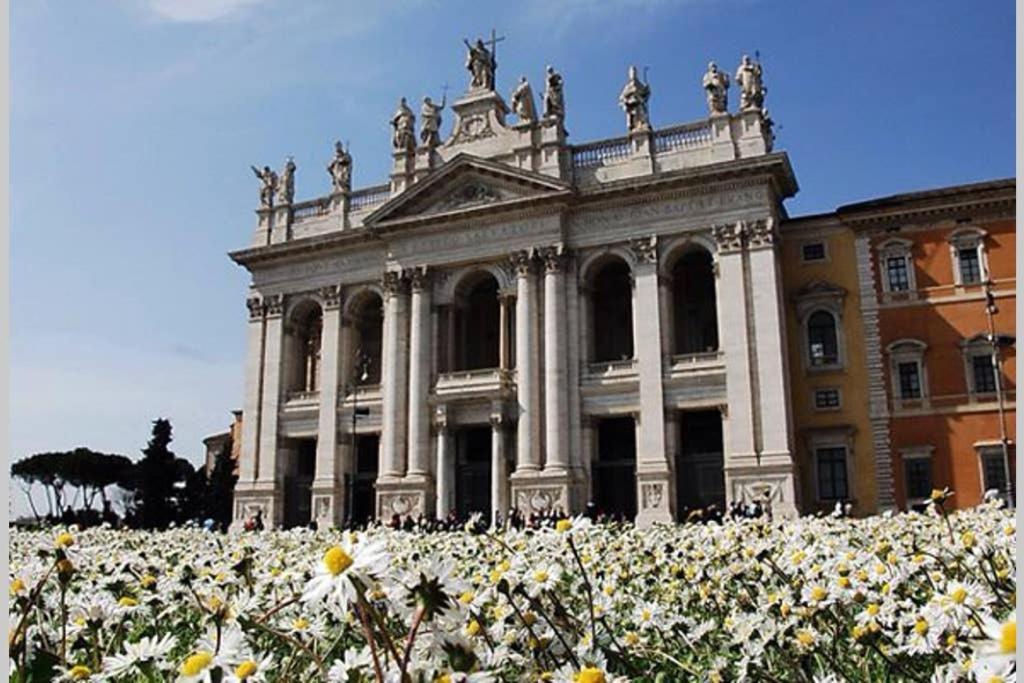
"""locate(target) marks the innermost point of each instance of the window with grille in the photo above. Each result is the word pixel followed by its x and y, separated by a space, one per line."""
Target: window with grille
pixel 832 482
pixel 825 399
pixel 984 374
pixel 970 265
pixel 909 380
pixel 897 273
pixel 813 251
pixel 993 469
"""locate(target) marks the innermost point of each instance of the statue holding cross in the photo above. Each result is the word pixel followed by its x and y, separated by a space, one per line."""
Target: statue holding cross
pixel 482 63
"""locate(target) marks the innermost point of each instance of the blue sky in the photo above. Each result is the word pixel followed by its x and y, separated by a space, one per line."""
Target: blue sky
pixel 134 123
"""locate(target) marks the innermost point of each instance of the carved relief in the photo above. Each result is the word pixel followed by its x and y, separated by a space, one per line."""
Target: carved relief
pixel 419 278
pixel 760 233
pixel 322 506
pixel 393 283
pixel 274 305
pixel 538 500
pixel 472 194
pixel 645 249
pixel 522 262
pixel 471 129
pixel 331 296
pixel 401 504
pixel 651 495
pixel 554 258
pixel 255 306
pixel 728 236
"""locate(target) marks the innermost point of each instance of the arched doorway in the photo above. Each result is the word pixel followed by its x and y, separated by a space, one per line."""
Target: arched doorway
pixel 694 304
pixel 473 471
pixel 613 471
pixel 611 311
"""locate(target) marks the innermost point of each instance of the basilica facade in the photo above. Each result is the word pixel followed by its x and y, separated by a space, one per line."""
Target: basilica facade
pixel 513 321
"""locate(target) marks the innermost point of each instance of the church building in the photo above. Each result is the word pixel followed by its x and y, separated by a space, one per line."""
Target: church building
pixel 514 321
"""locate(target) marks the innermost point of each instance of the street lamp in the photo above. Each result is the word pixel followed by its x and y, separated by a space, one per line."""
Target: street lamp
pixel 997 341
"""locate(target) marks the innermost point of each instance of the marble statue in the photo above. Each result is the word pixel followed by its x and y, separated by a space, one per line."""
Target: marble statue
pixel 430 113
pixel 522 101
pixel 748 78
pixel 340 169
pixel 481 64
pixel 403 124
pixel 554 102
pixel 286 184
pixel 268 185
pixel 716 85
pixel 633 99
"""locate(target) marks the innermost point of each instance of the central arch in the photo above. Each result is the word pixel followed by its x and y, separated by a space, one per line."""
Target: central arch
pixel 611 310
pixel 477 322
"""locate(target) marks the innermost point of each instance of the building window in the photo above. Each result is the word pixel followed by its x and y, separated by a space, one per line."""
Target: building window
pixel 906 365
pixel 909 379
pixel 822 340
pixel 993 469
pixel 832 480
pixel 813 251
pixel 917 474
pixel 983 373
pixel 897 266
pixel 968 251
pixel 897 273
pixel 826 399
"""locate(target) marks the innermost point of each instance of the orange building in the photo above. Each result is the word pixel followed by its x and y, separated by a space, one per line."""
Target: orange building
pixel 942 394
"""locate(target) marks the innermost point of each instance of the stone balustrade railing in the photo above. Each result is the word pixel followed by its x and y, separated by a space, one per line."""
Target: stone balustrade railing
pixel 600 152
pixel 369 196
pixel 687 135
pixel 310 210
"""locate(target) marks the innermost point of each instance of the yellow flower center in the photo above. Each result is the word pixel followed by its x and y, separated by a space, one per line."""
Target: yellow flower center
pixel 563 525
pixel 64 540
pixel 872 609
pixel 921 627
pixel 805 638
pixel 937 494
pixel 1008 638
pixel 466 597
pixel 147 580
pixel 959 594
pixel 589 674
pixel 443 678
pixel 128 601
pixel 645 614
pixel 245 669
pixel 631 638
pixel 472 628
pixel 540 576
pixel 17 586
pixel 79 672
pixel 300 624
pixel 818 593
pixel 968 539
pixel 196 663
pixel 337 560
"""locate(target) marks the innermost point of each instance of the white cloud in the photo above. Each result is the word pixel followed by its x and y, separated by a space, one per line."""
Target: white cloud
pixel 197 11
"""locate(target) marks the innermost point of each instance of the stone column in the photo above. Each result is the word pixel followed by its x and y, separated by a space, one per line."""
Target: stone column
pixel 653 471
pixel 556 409
pixel 267 476
pixel 327 491
pixel 775 455
pixel 527 388
pixel 499 470
pixel 394 376
pixel 248 465
pixel 419 377
pixel 445 466
pixel 504 347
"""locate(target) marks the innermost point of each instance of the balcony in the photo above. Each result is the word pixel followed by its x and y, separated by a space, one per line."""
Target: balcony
pixel 471 383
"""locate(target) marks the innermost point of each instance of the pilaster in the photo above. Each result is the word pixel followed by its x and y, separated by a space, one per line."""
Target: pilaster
pixel 267 476
pixel 327 504
pixel 556 410
pixel 420 353
pixel 394 376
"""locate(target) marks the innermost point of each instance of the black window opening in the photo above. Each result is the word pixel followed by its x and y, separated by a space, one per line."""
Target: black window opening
pixel 695 309
pixel 970 265
pixel 612 309
pixel 909 380
pixel 614 470
pixel 826 398
pixel 832 481
pixel 897 273
pixel 822 340
pixel 917 475
pixel 984 374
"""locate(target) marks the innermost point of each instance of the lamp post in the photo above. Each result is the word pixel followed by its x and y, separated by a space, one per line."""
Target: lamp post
pixel 997 342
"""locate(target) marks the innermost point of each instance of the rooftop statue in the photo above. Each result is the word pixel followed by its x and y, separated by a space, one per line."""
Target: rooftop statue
pixel 430 113
pixel 268 185
pixel 554 102
pixel 403 124
pixel 633 99
pixel 522 101
pixel 482 64
pixel 748 78
pixel 286 184
pixel 340 169
pixel 716 85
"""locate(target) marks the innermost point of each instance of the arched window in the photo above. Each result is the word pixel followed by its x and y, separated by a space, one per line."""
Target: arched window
pixel 822 339
pixel 368 323
pixel 477 322
pixel 694 307
pixel 611 299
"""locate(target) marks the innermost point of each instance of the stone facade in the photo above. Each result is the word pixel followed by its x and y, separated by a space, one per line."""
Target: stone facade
pixel 514 321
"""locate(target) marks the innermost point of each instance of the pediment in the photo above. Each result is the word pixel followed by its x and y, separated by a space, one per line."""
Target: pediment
pixel 820 289
pixel 466 184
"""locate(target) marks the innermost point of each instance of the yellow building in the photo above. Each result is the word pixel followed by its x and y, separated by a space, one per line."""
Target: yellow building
pixel 827 366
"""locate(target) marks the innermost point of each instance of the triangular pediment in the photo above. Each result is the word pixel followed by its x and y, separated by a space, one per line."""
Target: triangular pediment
pixel 466 184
